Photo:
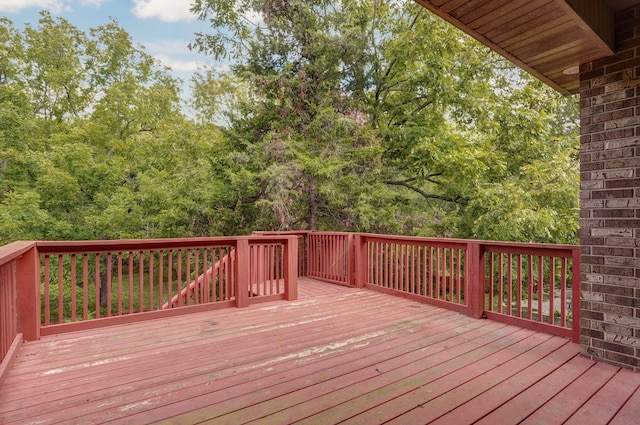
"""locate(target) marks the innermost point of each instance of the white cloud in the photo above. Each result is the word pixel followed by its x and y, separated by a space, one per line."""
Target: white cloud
pixel 163 10
pixel 54 6
pixel 13 6
pixel 179 65
pixel 92 2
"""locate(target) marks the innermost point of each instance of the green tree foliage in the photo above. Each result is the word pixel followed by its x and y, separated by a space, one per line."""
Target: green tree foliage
pixel 92 140
pixel 377 116
pixel 340 115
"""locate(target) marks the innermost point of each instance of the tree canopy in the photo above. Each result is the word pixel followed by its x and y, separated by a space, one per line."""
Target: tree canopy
pixel 368 116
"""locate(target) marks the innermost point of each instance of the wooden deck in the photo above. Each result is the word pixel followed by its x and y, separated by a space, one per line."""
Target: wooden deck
pixel 337 355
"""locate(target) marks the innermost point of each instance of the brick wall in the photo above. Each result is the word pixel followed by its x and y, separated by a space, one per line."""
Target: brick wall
pixel 610 199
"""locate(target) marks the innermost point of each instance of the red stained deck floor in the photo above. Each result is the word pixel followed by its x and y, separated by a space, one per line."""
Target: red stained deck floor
pixel 337 355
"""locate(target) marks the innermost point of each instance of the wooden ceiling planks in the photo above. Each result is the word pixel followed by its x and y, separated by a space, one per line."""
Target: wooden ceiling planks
pixel 545 37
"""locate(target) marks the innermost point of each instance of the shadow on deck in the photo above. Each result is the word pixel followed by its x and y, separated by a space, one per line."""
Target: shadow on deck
pixel 337 355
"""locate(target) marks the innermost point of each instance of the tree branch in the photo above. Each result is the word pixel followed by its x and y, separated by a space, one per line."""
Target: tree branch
pixel 425 195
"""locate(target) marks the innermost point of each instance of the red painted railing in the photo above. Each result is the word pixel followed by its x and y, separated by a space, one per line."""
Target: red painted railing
pixel 530 285
pixel 8 318
pixel 109 282
pixel 329 256
pixel 51 287
pixel 420 268
pixel 18 309
pixel 302 246
pixel 213 285
pixel 534 284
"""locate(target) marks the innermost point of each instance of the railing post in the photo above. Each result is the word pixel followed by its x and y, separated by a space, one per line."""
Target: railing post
pixel 243 264
pixel 360 260
pixel 474 271
pixel 28 296
pixel 575 295
pixel 291 268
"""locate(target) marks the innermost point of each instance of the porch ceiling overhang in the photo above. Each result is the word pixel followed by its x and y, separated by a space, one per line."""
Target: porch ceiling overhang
pixel 545 37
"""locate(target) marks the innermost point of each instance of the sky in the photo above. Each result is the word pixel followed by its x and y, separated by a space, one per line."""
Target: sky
pixel 164 27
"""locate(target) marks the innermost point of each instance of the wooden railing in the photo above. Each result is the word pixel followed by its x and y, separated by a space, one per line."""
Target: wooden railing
pixel 534 284
pixel 18 309
pixel 531 285
pixel 420 268
pixel 52 287
pixel 329 256
pixel 100 283
pixel 302 235
pixel 213 285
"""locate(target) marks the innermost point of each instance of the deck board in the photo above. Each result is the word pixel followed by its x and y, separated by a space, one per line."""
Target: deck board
pixel 336 355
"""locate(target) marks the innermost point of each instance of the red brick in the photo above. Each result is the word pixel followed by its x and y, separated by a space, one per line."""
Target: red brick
pixel 611 346
pixel 613 115
pixel 628 43
pixel 627 103
pixel 608 194
pixel 623 163
pixel 587 75
pixel 608 61
pixel 621 359
pixel 622 222
pixel 620 252
pixel 617 271
pixel 619 133
pixel 616 184
pixel 586 166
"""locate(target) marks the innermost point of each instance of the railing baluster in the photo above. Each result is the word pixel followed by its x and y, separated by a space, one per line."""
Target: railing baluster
pixel 47 289
pixel 519 301
pixel 140 281
pixel 151 281
pixel 130 280
pixel 85 286
pixel 109 279
pixel 552 287
pixel 60 290
pixel 530 287
pixel 73 287
pixel 96 283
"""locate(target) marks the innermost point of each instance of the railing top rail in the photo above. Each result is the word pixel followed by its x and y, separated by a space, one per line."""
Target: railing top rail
pixel 255 239
pixel 325 233
pixel 122 245
pixel 548 250
pixel 490 246
pixel 14 250
pixel 68 247
pixel 416 240
pixel 281 233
